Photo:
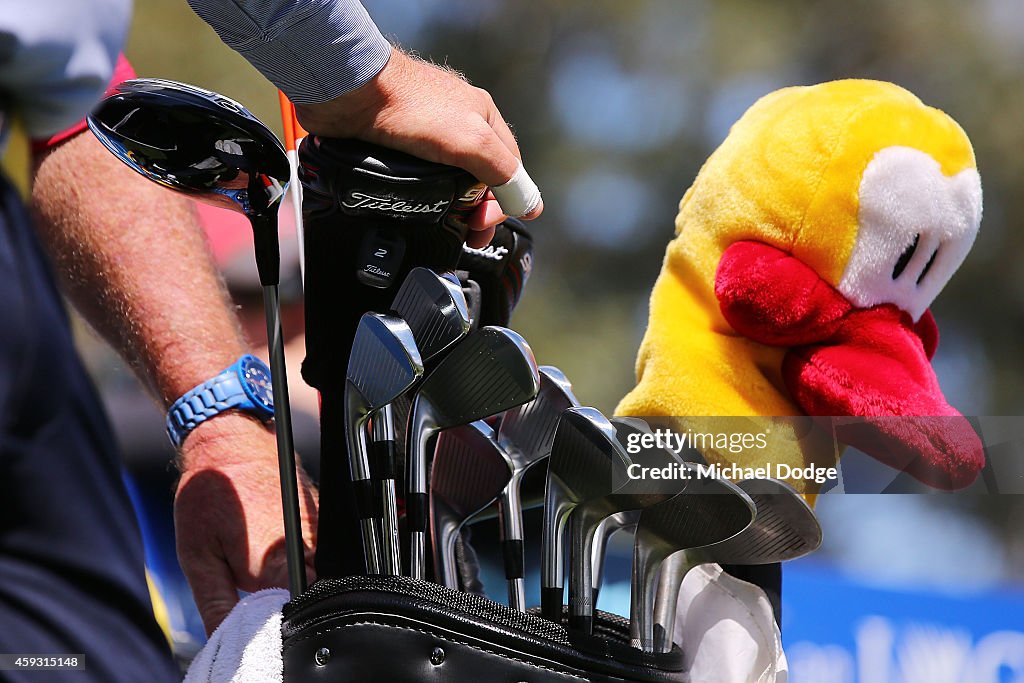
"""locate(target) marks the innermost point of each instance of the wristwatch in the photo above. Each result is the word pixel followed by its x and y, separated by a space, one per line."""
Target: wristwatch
pixel 244 386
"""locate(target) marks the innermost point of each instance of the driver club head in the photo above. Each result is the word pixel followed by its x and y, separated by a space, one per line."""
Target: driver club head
pixel 784 528
pixel 492 370
pixel 584 462
pixel 469 472
pixel 383 364
pixel 195 141
pixel 707 511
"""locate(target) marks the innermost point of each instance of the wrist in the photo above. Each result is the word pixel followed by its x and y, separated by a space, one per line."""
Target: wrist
pixel 244 435
pixel 354 114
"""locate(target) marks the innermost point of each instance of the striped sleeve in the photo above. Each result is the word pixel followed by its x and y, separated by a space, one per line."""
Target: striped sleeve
pixel 313 50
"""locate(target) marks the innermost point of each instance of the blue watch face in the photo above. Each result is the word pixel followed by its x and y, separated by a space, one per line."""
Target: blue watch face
pixel 258 383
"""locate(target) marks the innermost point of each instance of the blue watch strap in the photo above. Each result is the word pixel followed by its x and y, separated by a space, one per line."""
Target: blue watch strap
pixel 213 397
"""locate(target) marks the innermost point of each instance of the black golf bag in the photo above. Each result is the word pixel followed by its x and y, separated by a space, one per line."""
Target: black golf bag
pixel 370 216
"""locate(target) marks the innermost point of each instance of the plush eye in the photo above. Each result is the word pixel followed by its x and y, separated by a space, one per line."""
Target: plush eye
pixel 904 259
pixel 927 266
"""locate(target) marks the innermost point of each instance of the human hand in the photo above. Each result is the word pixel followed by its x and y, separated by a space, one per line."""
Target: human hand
pixel 434 114
pixel 228 518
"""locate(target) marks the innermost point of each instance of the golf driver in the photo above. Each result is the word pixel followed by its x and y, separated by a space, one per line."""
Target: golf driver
pixel 784 528
pixel 434 308
pixel 468 474
pixel 492 370
pixel 383 364
pixel 525 437
pixel 706 511
pixel 211 148
pixel 584 458
pixel 629 495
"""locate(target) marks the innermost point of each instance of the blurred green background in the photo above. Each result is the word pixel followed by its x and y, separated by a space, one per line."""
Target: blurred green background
pixel 616 105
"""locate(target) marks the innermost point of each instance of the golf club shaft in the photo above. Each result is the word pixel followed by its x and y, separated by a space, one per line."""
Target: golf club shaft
pixel 643 589
pixel 294 547
pixel 556 513
pixel 384 445
pixel 673 571
pixel 510 513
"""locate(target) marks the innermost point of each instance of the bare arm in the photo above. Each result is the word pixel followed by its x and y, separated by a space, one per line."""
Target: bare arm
pixel 135 263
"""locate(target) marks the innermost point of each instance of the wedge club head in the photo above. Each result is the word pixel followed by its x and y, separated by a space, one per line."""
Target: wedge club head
pixel 706 511
pixel 492 370
pixel 585 457
pixel 525 437
pixel 383 364
pixel 628 495
pixel 468 474
pixel 784 528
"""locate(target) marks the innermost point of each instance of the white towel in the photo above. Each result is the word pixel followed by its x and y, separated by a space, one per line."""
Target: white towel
pixel 246 647
pixel 727 630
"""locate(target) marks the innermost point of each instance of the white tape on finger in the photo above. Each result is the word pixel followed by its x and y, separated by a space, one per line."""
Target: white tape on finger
pixel 519 196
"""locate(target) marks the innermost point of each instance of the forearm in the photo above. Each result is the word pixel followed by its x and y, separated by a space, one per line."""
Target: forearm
pixel 135 264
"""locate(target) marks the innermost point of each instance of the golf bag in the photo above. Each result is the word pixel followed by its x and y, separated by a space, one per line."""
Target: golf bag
pixel 370 216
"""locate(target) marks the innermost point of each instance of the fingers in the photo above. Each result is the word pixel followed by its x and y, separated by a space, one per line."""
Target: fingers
pixel 519 196
pixel 213 589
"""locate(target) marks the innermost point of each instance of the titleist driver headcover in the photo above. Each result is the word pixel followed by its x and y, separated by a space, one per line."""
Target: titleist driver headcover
pixel 784 528
pixel 383 364
pixel 492 370
pixel 468 474
pixel 500 271
pixel 371 215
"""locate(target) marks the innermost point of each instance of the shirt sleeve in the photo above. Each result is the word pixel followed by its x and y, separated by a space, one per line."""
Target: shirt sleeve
pixel 56 57
pixel 313 50
pixel 122 72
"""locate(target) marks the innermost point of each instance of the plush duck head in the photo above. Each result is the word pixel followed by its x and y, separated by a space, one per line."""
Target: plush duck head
pixel 807 253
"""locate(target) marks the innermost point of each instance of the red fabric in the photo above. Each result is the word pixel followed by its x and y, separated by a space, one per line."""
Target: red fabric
pixel 844 361
pixel 123 71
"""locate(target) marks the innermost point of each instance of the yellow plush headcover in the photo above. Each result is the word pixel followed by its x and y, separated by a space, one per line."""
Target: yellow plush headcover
pixel 788 175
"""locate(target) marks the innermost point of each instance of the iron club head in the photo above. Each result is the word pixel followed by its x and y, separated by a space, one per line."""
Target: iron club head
pixel 383 364
pixel 492 370
pixel 468 474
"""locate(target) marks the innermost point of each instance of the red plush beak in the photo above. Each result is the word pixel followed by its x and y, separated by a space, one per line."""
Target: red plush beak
pixel 871 366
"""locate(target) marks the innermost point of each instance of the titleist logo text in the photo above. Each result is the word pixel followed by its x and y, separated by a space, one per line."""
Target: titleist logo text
pixel 360 200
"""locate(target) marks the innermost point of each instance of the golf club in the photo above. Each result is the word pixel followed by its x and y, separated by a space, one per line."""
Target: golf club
pixel 627 520
pixel 524 438
pixel 468 474
pixel 582 465
pixel 628 495
pixel 383 364
pixel 706 511
pixel 434 308
pixel 784 528
pixel 492 370
pixel 211 148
